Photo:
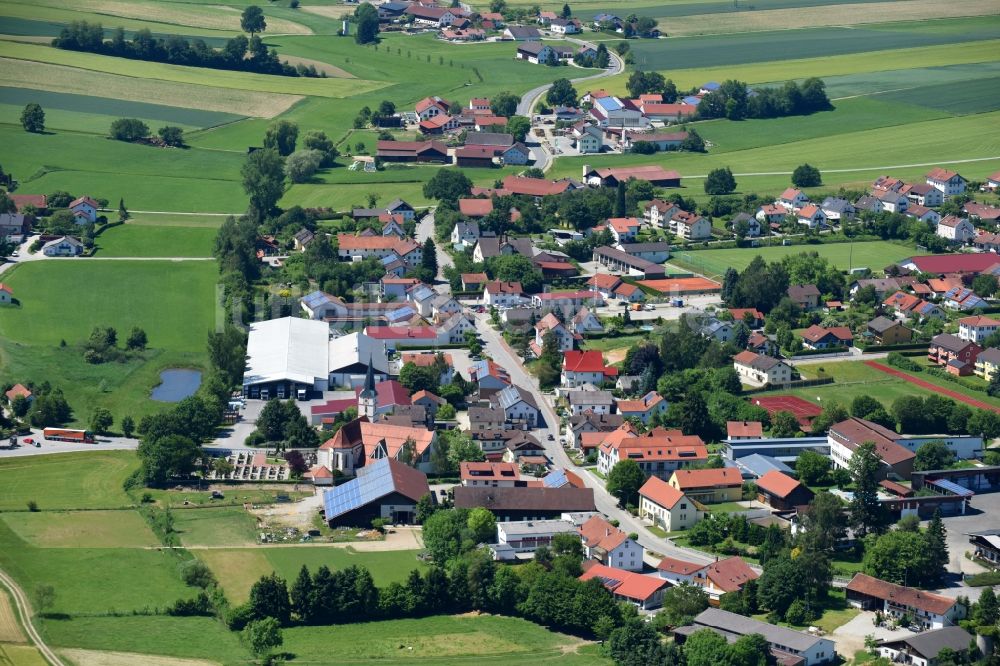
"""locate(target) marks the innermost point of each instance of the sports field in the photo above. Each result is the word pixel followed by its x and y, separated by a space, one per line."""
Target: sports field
pixel 873 254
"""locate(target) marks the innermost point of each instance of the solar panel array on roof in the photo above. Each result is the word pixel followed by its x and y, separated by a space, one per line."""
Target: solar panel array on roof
pixel 556 479
pixel 372 482
pixel 952 487
pixel 315 298
pixel 607 581
pixel 609 103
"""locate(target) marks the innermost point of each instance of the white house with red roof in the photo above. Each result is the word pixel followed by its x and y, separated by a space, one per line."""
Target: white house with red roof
pixel 19 390
pixel 977 328
pixel 956 229
pixel 992 182
pixel 771 214
pixel 659 452
pixel 355 248
pixel 691 226
pixel 492 474
pixel 585 367
pixel 667 507
pixel 609 545
pixel 709 485
pixel 564 337
pixel 792 199
pixel 568 299
pixel 950 183
pixel 811 216
pixel 504 294
pixel 644 591
pixel 438 17
pixel 736 430
pixel 84 210
pixel 6 294
pixel 429 107
pixel 658 212
pixel 644 408
pixel 624 229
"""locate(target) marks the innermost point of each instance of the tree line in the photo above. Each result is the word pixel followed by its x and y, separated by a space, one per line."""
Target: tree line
pixel 238 53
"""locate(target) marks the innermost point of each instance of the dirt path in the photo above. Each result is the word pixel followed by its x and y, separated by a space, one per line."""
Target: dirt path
pixel 98 658
pixel 972 402
pixel 24 609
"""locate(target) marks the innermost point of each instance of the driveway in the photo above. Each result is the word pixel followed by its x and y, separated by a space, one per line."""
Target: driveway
pixel 850 637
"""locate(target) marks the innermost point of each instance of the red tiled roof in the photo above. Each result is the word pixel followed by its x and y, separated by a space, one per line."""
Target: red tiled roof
pixel 498 287
pixel 815 333
pixel 597 532
pixel 977 321
pixel 808 211
pixel 708 478
pixel 401 332
pixel 954 263
pixel 739 313
pixel 744 429
pixel 475 207
pixel 488 471
pixel 604 281
pixel 939 173
pixel 39 201
pixel 401 246
pixel 389 392
pixel 681 285
pixel 534 186
pixel 905 596
pixel 18 390
pixel 624 583
pixel 334 406
pixel 475 278
pixel 81 200
pixel 790 194
pixel 624 224
pixel 730 574
pixel 660 109
pixel 777 483
pixel 680 567
pixel 854 431
pixel 424 359
pixel 659 491
pixel 583 361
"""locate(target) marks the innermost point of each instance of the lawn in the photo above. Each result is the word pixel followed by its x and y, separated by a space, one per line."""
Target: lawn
pixel 82 529
pixel 130 240
pixel 442 639
pixel 223 526
pixel 873 254
pixel 94 580
pixel 836 612
pixel 609 344
pixel 237 569
pixel 67 481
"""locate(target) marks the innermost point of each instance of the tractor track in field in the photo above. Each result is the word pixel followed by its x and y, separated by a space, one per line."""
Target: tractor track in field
pixel 24 610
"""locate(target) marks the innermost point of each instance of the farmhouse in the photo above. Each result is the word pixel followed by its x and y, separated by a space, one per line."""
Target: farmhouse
pixel 928 610
pixel 923 649
pixel 355 248
pixel 84 210
pixel 666 506
pixel 438 17
pixel 611 176
pixel 385 489
pixel 531 503
pixel 412 151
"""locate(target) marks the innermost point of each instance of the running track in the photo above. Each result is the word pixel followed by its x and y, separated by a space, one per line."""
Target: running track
pixel 932 387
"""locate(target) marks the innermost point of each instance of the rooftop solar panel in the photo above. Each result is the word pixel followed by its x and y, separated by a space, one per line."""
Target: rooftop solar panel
pixel 556 479
pixel 372 482
pixel 952 487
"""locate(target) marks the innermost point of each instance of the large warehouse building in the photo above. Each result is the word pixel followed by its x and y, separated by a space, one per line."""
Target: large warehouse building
pixel 288 355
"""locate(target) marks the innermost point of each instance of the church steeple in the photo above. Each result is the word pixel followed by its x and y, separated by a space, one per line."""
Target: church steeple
pixel 368 398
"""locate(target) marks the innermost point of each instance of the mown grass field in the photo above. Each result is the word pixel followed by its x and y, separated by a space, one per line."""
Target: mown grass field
pixel 873 254
pixel 143 240
pixel 66 481
pixel 82 529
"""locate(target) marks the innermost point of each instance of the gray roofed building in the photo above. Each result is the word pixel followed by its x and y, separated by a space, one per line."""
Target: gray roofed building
pixel 925 646
pixel 757 465
pixel 782 641
pixel 881 324
pixel 869 203
pixel 500 139
pixel 486 418
pixel 837 207
pixel 882 286
pixel 590 398
pixel 989 355
pixel 949 342
pixel 513 394
pixel 522 32
pixel 635 248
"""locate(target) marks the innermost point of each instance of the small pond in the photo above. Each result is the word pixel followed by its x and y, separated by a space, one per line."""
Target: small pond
pixel 175 385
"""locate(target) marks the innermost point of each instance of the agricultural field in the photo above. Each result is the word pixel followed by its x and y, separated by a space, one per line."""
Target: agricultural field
pixel 172 301
pixel 872 254
pixel 71 481
pixel 131 240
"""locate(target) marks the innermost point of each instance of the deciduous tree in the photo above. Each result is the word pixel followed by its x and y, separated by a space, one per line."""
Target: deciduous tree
pixel 33 118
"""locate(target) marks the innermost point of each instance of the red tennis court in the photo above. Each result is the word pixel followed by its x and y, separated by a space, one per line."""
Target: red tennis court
pixel 803 410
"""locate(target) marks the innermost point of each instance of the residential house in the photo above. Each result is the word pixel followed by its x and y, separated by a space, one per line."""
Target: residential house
pixel 987 542
pixel 605 284
pixel 785 646
pixel 885 331
pixel 438 17
pixel 923 649
pixel 977 328
pixel 518 405
pixel 658 453
pixel 749 224
pixel 908 305
pixel 659 213
pixel 961 298
pixel 561 26
pixel 691 226
pixel 84 210
pixel 585 321
pixel 585 367
pixel 923 213
pixel 666 507
pixel 483 419
pixel 516 155
pixel 926 609
pixel 429 402
pixel 737 430
pixel 982 212
pixel 806 296
pixel 992 182
pixel 772 214
pixel 19 391
pixel 64 246
pixel 589 139
pixel 958 356
pixel 782 492
pixel 752 317
pixel 489 377
pixel 466 234
pixel 638 589
pixel 523 537
pixel 14 226
pixel 892 201
pixel 709 486
pixel 759 370
pixel 565 338
pixel 818 337
pixel 717 578
pixel 760 343
pixel 564 299
pixel 589 399
pixel 504 294
pixel 716 329
pixel 837 209
pixel 956 229
pixel 426 359
pixel 6 294
pixel 812 216
pixel 882 286
pixel 491 474
pixel 624 229
pixel 522 33
pixel 609 545
pixel 948 182
pixel 792 200
pixel 987 363
pixel 923 194
pixel 582 424
pixel 644 409
pixel 536 53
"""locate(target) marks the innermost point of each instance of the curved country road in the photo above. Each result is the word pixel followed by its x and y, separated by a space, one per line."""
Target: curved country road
pixel 543 158
pixel 24 610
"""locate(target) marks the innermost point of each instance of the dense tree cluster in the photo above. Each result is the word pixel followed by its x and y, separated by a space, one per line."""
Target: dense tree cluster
pixel 909 555
pixel 282 424
pixel 238 53
pixel 733 100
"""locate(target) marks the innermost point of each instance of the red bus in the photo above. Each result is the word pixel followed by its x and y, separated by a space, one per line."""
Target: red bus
pixel 67 435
